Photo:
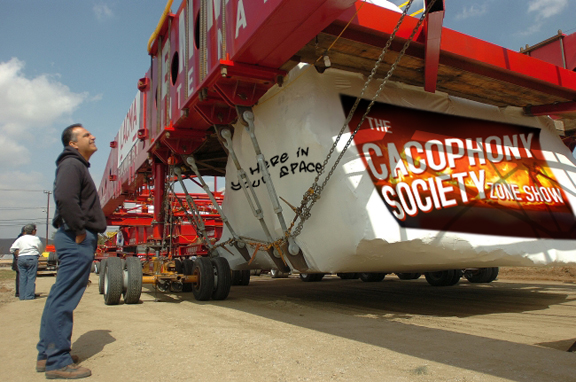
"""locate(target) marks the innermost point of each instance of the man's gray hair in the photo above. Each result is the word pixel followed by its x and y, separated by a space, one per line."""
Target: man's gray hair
pixel 29 229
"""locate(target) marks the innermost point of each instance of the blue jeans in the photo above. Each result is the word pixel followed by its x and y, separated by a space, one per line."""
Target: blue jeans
pixel 71 281
pixel 27 267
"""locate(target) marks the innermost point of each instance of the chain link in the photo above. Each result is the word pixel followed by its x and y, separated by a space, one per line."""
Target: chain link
pixel 313 193
pixel 168 213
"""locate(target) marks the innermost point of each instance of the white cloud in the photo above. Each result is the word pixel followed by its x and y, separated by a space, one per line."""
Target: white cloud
pixel 547 8
pixel 28 107
pixel 534 28
pixel 13 153
pixel 102 12
pixel 474 10
pixel 30 199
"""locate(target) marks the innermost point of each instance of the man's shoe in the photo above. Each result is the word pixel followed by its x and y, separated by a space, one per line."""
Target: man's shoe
pixel 41 365
pixel 69 372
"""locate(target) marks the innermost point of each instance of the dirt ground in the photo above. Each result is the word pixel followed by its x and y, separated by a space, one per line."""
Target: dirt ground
pixel 517 328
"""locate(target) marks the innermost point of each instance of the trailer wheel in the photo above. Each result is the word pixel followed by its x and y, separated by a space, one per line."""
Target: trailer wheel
pixel 132 280
pixel 457 276
pixel 113 281
pixel 311 277
pixel 244 277
pixel 482 275
pixel 188 266
pixel 222 278
pixel 495 271
pixel 443 278
pixel 101 273
pixel 204 286
pixel 372 277
pixel 178 266
pixel 408 276
pixel 348 276
pixel 236 276
pixel 52 258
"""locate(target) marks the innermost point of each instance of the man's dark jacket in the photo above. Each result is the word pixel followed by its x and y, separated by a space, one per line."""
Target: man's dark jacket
pixel 77 202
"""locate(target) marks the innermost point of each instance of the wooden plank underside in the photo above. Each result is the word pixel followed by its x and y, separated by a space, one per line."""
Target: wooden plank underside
pixel 360 57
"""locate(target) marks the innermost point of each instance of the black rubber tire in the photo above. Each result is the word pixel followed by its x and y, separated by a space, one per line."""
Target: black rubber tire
pixel 311 277
pixel 101 274
pixel 348 276
pixel 480 276
pixel 204 286
pixel 456 278
pixel 188 266
pixel 495 271
pixel 442 278
pixel 408 276
pixel 132 280
pixel 52 258
pixel 113 281
pixel 372 277
pixel 178 266
pixel 236 276
pixel 222 278
pixel 244 277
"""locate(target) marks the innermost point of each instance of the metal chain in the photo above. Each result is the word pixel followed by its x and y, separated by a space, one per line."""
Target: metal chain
pixel 168 211
pixel 313 193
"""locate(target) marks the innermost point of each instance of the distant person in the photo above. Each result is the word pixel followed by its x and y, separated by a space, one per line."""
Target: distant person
pixel 79 219
pixel 15 267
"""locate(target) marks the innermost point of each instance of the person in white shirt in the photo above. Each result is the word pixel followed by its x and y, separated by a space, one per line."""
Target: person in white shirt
pixel 29 248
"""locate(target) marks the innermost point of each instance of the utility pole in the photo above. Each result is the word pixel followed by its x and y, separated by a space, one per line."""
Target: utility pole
pixel 48 193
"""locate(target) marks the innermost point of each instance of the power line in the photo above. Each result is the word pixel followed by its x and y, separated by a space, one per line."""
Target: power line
pixel 20 224
pixel 21 208
pixel 43 220
pixel 20 190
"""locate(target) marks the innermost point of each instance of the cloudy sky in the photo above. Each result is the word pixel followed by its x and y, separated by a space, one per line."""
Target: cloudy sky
pixel 66 61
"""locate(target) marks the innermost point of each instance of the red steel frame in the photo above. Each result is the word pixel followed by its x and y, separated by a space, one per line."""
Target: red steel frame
pixel 187 90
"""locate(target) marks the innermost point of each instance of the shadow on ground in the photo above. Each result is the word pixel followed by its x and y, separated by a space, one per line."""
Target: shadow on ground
pixel 92 343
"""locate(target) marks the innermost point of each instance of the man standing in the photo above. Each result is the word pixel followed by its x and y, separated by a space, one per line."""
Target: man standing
pixel 15 267
pixel 79 219
pixel 27 249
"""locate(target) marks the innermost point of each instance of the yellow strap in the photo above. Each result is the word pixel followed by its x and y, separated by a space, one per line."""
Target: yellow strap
pixel 417 12
pixel 159 26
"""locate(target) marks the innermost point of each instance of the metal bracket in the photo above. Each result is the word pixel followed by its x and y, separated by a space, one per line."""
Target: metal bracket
pixel 433 35
pixel 239 244
pixel 226 134
pixel 247 119
pixel 197 219
pixel 559 108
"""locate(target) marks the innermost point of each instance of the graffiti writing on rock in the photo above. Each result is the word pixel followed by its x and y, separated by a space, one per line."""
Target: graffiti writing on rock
pixel 281 166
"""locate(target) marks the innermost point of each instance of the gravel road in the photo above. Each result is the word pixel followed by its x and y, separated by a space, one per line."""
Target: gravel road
pixel 334 330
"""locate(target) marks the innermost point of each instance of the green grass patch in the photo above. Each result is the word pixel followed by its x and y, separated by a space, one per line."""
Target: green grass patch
pixel 421 370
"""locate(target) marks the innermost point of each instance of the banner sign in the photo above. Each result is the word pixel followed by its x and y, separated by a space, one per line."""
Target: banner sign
pixel 450 173
pixel 128 135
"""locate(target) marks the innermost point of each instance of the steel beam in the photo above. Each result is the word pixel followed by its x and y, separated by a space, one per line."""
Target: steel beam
pixel 553 109
pixel 433 33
